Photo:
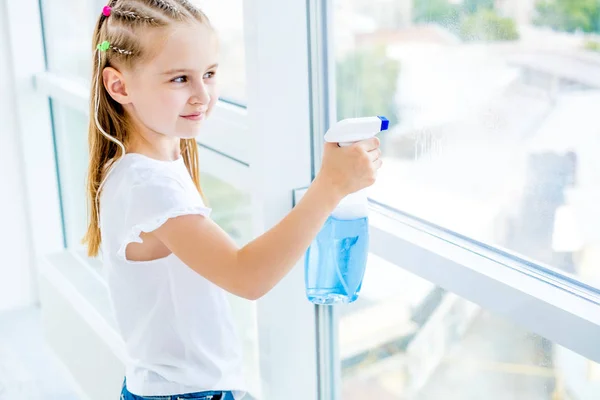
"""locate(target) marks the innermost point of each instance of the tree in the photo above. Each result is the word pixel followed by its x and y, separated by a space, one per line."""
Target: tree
pixel 472 6
pixel 487 25
pixel 473 20
pixel 592 45
pixel 437 11
pixel 366 85
pixel 569 15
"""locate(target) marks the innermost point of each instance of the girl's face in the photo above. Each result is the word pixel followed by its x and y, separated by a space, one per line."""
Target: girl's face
pixel 174 92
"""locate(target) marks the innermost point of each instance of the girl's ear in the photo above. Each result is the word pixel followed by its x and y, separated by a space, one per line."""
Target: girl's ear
pixel 114 82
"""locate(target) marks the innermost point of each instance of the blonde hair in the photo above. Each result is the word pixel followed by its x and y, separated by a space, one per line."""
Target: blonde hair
pixel 117 40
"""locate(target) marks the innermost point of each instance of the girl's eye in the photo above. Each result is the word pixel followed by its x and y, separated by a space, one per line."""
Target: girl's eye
pixel 209 75
pixel 180 79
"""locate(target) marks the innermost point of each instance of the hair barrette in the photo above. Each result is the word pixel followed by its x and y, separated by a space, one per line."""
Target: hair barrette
pixel 103 46
pixel 106 11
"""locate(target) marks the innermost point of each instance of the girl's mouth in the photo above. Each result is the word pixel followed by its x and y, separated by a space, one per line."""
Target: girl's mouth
pixel 194 117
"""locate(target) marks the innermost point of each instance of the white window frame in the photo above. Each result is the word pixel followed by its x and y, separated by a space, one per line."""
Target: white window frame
pixel 34 123
pixel 279 116
pixel 560 311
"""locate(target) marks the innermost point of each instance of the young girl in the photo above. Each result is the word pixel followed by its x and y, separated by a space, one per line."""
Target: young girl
pixel 167 263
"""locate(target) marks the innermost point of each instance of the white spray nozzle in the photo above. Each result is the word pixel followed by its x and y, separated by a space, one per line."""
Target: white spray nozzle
pixel 350 130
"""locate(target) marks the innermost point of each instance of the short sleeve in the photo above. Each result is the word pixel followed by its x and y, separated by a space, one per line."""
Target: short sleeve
pixel 151 204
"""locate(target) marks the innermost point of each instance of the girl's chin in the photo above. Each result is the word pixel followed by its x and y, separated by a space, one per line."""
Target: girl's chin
pixel 187 133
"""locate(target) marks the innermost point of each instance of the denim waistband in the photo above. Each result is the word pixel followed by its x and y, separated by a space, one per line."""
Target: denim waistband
pixel 207 395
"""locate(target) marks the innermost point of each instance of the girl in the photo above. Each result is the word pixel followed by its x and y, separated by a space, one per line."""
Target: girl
pixel 167 263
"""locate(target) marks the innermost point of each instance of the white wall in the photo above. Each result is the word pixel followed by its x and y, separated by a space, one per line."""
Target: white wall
pixel 15 260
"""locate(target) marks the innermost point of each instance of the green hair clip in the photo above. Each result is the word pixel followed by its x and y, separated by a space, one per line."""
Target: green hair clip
pixel 103 46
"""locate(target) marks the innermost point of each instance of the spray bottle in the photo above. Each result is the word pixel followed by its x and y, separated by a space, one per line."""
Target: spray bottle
pixel 335 261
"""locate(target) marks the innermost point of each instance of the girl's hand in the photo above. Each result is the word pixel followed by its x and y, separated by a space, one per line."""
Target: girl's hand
pixel 352 168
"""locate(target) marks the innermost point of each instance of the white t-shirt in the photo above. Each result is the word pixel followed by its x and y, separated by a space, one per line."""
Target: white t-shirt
pixel 177 326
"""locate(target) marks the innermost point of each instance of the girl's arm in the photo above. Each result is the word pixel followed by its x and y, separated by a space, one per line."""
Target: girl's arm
pixel 253 270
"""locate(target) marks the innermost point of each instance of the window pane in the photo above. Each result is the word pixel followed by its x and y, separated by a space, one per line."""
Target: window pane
pixel 68 28
pixel 68 40
pixel 227 16
pixel 70 133
pixel 231 210
pixel 493 107
pixel 405 338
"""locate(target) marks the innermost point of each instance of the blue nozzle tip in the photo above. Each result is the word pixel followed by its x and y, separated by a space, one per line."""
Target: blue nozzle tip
pixel 385 123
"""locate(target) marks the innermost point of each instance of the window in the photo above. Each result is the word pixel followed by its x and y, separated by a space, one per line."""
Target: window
pixel 71 143
pixel 408 338
pixel 68 28
pixel 68 40
pixel 227 16
pixel 492 106
pixel 231 210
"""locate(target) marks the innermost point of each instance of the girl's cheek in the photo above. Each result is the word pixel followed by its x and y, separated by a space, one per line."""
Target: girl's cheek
pixel 214 97
pixel 171 102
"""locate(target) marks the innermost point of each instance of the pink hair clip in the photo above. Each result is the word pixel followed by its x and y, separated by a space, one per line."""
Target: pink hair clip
pixel 106 11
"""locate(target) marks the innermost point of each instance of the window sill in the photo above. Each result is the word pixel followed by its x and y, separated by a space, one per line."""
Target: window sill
pixel 554 308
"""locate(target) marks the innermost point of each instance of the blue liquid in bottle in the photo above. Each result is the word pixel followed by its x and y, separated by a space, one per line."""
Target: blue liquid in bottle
pixel 335 261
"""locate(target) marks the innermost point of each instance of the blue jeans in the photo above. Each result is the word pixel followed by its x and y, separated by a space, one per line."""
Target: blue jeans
pixel 211 395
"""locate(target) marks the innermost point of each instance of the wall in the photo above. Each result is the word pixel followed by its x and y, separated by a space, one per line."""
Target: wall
pixel 15 260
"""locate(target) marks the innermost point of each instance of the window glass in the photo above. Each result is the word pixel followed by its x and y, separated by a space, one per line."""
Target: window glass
pixel 493 106
pixel 227 16
pixel 232 212
pixel 405 338
pixel 71 139
pixel 68 28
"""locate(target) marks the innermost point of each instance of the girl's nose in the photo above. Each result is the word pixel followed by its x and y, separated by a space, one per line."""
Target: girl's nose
pixel 201 95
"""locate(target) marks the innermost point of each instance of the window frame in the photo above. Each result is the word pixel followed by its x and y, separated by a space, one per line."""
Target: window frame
pixel 560 311
pixel 549 304
pixel 34 123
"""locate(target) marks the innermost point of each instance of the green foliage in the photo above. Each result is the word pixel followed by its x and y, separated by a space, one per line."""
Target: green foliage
pixel 592 45
pixel 472 6
pixel 366 85
pixel 472 20
pixel 486 25
pixel 569 15
pixel 437 11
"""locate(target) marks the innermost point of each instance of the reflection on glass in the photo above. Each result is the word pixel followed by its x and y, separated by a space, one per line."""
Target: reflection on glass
pixel 493 105
pixel 68 40
pixel 405 338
